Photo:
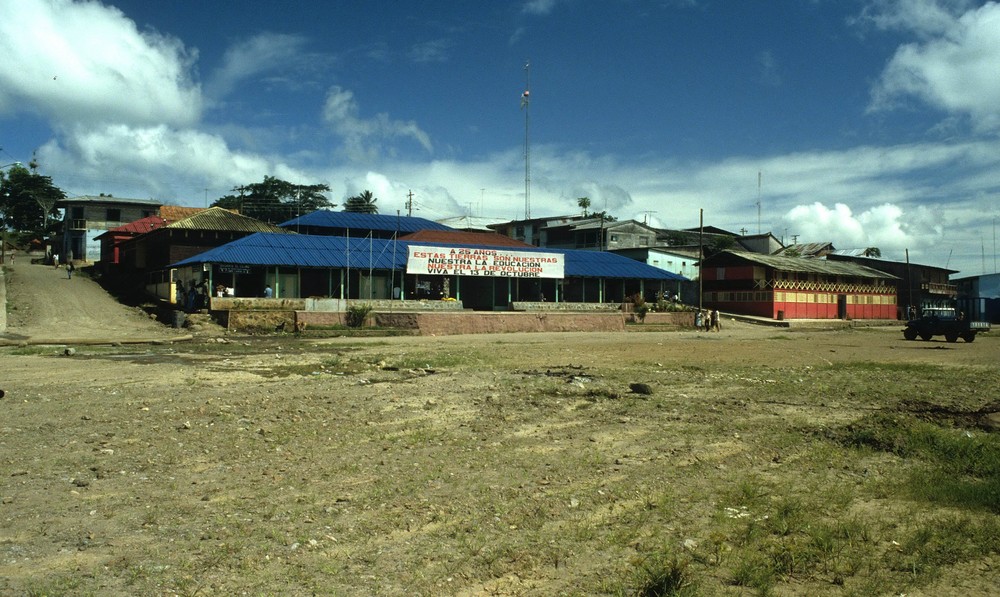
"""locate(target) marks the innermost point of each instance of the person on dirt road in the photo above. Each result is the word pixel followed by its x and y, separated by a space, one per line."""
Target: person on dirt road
pixel 69 270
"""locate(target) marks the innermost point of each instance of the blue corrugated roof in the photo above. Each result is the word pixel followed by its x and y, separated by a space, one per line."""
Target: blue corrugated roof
pixel 347 220
pixel 300 250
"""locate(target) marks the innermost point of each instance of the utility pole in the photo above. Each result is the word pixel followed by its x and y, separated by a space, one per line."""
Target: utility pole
pixel 409 204
pixel 701 257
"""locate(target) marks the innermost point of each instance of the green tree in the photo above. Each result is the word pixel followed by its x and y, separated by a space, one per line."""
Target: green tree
pixel 584 203
pixel 873 252
pixel 275 200
pixel 363 202
pixel 605 216
pixel 678 238
pixel 722 243
pixel 27 201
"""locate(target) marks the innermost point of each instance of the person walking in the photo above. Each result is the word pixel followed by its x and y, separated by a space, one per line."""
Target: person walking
pixel 716 326
pixel 69 270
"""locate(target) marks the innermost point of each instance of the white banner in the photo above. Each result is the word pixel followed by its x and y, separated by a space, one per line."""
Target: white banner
pixel 500 263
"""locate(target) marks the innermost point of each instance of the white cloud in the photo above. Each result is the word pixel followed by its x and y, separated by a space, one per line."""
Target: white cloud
pixel 539 7
pixel 152 161
pixel 884 226
pixel 431 51
pixel 767 69
pixel 262 53
pixel 926 18
pixel 956 65
pixel 364 137
pixel 83 61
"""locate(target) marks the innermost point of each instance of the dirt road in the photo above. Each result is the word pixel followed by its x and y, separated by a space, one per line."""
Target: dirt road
pixel 45 304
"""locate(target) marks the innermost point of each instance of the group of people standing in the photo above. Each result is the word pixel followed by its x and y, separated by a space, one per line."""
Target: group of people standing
pixel 709 320
pixel 194 297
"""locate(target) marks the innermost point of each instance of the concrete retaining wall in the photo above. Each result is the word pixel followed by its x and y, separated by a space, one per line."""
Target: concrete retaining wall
pixel 444 324
pixel 430 323
pixel 547 306
pixel 383 305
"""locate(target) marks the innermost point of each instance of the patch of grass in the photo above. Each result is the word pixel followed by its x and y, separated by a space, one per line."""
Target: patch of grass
pixel 664 576
pixel 961 468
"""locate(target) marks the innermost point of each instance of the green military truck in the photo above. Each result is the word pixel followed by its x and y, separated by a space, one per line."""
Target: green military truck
pixel 944 321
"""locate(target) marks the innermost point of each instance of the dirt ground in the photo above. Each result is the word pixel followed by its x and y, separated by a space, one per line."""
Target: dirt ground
pixel 511 464
pixel 44 303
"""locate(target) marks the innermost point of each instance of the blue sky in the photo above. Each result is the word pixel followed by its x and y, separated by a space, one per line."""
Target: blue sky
pixel 870 122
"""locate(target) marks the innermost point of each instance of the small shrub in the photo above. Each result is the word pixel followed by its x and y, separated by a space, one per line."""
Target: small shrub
pixel 664 577
pixel 640 307
pixel 357 314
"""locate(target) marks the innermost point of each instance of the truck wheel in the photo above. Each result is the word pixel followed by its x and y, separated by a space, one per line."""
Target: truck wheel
pixel 951 337
pixel 969 337
pixel 910 334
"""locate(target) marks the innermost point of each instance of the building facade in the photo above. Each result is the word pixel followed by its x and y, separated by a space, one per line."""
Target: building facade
pixel 85 218
pixel 919 286
pixel 796 288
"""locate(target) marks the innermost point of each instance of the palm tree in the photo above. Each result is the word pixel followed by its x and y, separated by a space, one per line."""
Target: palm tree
pixel 584 203
pixel 362 203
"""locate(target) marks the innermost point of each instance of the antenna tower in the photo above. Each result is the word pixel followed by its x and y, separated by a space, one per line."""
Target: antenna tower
pixel 758 201
pixel 525 105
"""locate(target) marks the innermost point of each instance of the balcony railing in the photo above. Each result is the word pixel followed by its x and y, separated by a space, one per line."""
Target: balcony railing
pixel 937 288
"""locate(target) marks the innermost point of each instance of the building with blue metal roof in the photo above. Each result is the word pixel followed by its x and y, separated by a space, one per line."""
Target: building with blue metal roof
pixel 482 277
pixel 327 222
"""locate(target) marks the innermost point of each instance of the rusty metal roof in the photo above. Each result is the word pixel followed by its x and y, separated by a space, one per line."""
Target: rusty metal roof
pixel 173 213
pixel 217 218
pixel 140 226
pixel 800 264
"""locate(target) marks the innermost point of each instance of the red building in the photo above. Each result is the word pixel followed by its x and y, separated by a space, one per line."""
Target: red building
pixel 796 287
pixel 112 239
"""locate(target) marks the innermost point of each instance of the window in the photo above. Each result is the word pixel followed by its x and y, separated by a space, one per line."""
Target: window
pixel 113 215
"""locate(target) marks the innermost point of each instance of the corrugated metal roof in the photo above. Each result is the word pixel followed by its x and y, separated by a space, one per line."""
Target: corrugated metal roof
pixel 141 226
pixel 217 218
pixel 805 249
pixel 470 222
pixel 805 265
pixel 173 213
pixel 325 218
pixel 300 250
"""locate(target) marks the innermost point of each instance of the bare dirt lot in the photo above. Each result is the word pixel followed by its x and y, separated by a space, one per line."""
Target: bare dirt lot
pixel 753 461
